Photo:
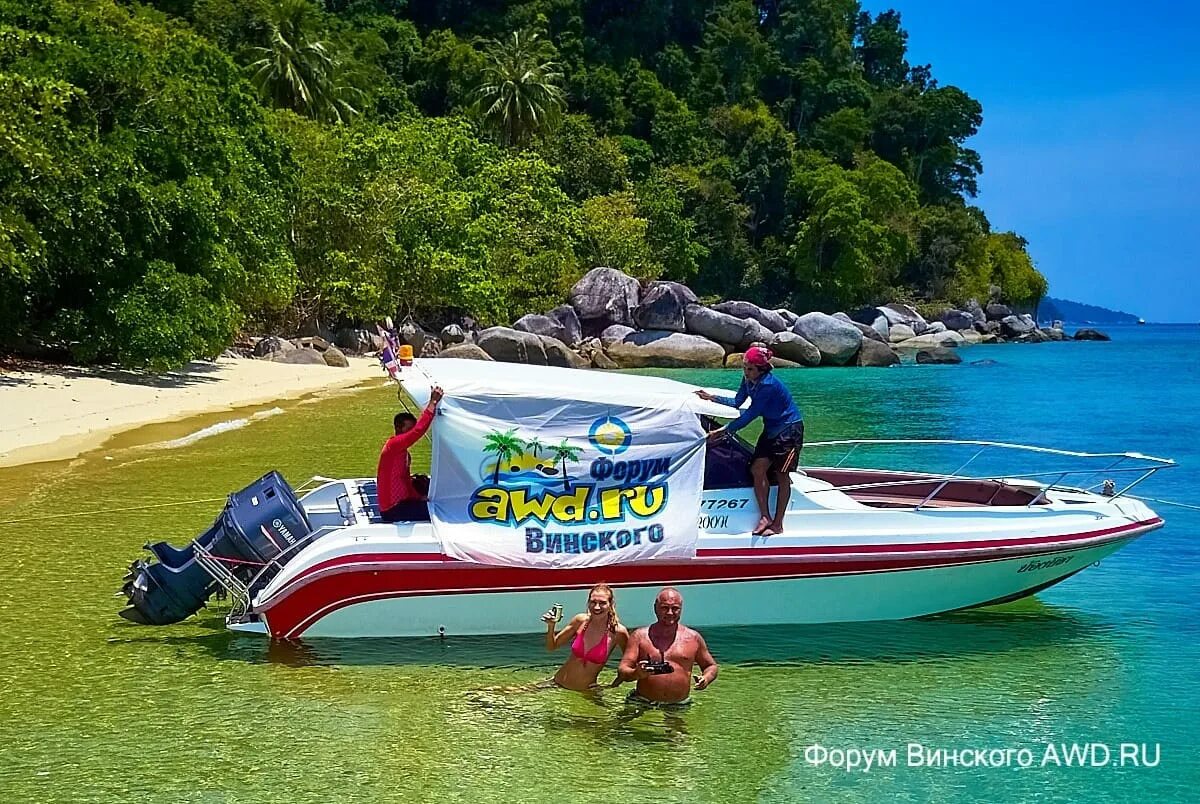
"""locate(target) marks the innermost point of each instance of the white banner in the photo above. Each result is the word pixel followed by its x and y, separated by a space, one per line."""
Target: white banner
pixel 544 483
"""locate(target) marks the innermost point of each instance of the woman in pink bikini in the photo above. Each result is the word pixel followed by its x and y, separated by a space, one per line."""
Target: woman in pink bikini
pixel 593 634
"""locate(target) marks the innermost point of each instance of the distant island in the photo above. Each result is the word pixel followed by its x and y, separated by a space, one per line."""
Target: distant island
pixel 1051 309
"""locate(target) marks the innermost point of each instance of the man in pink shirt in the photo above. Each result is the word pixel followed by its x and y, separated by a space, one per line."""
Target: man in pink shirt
pixel 399 499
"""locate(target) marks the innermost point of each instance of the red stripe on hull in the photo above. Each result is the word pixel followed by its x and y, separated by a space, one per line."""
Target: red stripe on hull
pixel 333 584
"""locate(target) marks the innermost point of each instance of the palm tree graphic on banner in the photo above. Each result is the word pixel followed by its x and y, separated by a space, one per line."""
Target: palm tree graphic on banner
pixel 565 452
pixel 506 446
pixel 534 446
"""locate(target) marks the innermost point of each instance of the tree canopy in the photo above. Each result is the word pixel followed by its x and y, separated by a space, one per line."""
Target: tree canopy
pixel 172 171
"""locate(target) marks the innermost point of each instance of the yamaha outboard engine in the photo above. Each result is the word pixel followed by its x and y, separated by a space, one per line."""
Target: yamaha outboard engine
pixel 259 524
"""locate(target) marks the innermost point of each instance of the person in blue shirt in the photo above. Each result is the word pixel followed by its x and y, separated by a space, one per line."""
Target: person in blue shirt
pixel 778 449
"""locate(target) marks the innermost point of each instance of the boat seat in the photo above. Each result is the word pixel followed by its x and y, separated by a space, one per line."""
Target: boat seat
pixel 815 493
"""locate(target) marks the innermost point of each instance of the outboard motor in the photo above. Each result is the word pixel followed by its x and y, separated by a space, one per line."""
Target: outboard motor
pixel 259 524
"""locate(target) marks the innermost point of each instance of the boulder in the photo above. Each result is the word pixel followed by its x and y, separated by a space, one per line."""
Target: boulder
pixel 602 361
pixel 614 333
pixel 298 356
pixel 409 332
pixel 971 336
pixel 557 354
pixel 997 312
pixel 938 355
pixel 898 333
pixel 333 357
pixel 1055 334
pixel 268 346
pixel 1056 324
pixel 788 316
pixel 311 342
pixel 957 319
pixel 903 314
pixel 931 340
pixel 1034 335
pixel 867 331
pixel 1013 327
pixel 605 296
pixel 876 354
pixel 678 288
pixel 973 309
pixel 716 326
pixel 984 363
pixel 452 334
pixel 464 351
pixel 836 340
pixel 542 325
pixel 432 346
pixel 866 315
pixel 1089 334
pixel 358 341
pixel 512 346
pixel 662 307
pixel 744 309
pixel 755 333
pixel 935 327
pixel 791 346
pixel 565 315
pixel 1028 319
pixel 987 328
pixel 659 348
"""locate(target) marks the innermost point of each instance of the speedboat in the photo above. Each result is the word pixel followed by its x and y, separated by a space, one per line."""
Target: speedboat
pixel 548 480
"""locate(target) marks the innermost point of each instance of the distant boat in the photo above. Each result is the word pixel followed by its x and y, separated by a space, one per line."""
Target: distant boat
pixel 1141 321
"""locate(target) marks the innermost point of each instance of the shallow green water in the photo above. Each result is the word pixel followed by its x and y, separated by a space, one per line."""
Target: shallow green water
pixel 95 709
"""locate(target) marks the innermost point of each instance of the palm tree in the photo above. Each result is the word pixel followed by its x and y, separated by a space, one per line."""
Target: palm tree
pixel 565 452
pixel 535 446
pixel 297 71
pixel 505 445
pixel 521 93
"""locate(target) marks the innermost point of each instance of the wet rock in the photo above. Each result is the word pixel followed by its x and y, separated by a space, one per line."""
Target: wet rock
pixel 744 309
pixel 662 349
pixel 938 355
pixel 984 363
pixel 1033 336
pixel 565 315
pixel 333 357
pixel 512 346
pixel 837 341
pixel 1055 334
pixel 795 348
pixel 876 354
pixel 1089 334
pixel 605 296
pixel 662 307
pixel 465 351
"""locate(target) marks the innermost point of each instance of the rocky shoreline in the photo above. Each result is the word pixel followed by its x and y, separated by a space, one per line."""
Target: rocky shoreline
pixel 611 321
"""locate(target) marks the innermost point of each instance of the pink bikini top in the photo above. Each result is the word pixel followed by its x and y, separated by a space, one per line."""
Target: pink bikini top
pixel 597 655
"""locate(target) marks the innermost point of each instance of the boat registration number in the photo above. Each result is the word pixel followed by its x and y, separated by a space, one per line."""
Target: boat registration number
pixel 719 504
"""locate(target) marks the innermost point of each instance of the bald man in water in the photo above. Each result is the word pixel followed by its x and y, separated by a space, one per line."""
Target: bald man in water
pixel 671 641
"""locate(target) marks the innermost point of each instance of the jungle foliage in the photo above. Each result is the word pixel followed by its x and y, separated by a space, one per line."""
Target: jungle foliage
pixel 175 170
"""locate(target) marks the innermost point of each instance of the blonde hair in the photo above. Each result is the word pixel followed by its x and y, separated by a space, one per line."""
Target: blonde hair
pixel 613 619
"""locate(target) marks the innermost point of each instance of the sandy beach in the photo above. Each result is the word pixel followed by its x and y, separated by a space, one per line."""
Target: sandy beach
pixel 58 412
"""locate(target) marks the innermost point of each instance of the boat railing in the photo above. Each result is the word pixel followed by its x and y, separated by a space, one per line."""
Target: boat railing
pixel 1122 463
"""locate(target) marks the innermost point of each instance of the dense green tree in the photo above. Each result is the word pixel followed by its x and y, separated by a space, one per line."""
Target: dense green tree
pixel 521 93
pixel 295 70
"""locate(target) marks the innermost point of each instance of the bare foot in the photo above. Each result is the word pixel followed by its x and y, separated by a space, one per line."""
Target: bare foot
pixel 763 522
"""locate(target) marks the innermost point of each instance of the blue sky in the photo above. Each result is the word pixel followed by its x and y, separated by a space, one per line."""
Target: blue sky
pixel 1090 137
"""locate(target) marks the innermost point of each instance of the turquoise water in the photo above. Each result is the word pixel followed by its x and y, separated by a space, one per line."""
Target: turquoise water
pixel 96 709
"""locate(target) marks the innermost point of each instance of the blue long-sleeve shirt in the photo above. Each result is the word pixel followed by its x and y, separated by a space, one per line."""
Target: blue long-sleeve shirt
pixel 769 399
